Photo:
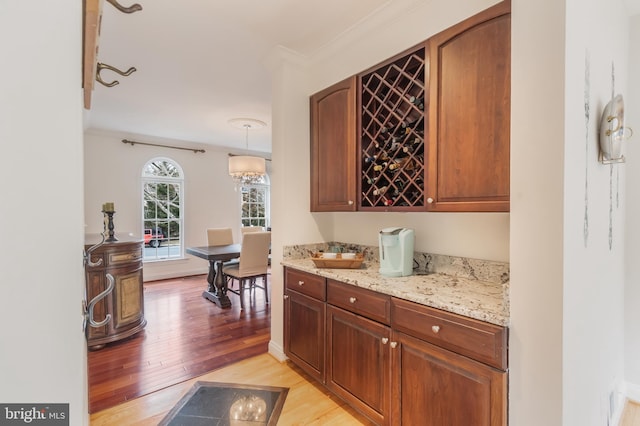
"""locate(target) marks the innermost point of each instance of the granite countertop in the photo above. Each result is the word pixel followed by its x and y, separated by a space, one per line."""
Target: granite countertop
pixel 482 300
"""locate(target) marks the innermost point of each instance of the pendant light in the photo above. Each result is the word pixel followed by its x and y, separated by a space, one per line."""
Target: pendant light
pixel 246 169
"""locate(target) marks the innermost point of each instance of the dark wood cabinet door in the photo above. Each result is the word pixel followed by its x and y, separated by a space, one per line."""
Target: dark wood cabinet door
pixel 469 114
pixel 358 362
pixel 333 148
pixel 304 327
pixel 435 387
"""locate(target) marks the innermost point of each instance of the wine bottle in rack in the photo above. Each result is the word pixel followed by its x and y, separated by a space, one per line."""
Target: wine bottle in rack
pixel 399 184
pixel 383 156
pixel 419 102
pixel 409 149
pixel 380 191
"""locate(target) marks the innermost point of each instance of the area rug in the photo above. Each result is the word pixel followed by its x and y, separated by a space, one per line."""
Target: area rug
pixel 227 404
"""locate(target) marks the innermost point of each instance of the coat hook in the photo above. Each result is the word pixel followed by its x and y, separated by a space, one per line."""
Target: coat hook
pixel 133 8
pixel 102 66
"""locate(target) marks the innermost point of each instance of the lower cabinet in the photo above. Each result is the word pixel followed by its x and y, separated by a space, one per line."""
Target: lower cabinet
pixel 434 386
pixel 304 321
pixel 358 362
pixel 397 362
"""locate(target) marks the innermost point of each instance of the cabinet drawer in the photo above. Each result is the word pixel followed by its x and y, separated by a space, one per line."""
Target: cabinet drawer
pixel 124 257
pixel 305 283
pixel 478 340
pixel 358 300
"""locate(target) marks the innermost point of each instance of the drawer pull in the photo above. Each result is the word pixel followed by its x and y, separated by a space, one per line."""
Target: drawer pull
pixel 300 282
pixel 385 340
pixel 435 328
pixel 286 296
pixel 352 299
pixel 394 344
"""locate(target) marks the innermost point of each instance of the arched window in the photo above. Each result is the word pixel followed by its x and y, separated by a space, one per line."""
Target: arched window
pixel 255 206
pixel 162 204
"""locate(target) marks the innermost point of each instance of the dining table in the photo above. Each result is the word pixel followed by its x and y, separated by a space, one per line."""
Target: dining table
pixel 216 255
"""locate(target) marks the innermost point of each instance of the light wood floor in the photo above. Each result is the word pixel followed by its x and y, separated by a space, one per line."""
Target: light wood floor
pixel 631 414
pixel 307 403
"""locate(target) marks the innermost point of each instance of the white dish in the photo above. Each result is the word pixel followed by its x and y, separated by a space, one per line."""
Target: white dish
pixel 329 255
pixel 348 255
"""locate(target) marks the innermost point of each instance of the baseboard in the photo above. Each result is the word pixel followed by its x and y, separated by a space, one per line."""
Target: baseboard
pixel 151 276
pixel 277 351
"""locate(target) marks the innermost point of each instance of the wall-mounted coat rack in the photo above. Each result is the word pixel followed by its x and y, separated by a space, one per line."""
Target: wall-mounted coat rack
pixel 613 132
pixel 91 68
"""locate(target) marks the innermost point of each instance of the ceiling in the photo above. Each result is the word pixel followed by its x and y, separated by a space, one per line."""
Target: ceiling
pixel 202 63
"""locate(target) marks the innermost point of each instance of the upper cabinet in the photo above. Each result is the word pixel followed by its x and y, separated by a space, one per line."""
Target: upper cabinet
pixel 333 148
pixel 469 114
pixel 432 126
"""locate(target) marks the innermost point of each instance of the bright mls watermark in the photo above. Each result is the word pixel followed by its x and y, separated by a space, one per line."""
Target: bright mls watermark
pixel 34 414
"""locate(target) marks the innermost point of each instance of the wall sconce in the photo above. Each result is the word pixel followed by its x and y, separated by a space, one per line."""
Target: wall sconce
pixel 613 132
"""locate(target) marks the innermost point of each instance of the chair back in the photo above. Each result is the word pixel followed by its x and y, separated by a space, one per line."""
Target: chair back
pixel 254 254
pixel 219 236
pixel 247 229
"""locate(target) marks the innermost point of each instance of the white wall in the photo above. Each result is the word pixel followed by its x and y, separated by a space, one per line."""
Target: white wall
pixel 632 282
pixel 43 355
pixel 593 300
pixel 113 172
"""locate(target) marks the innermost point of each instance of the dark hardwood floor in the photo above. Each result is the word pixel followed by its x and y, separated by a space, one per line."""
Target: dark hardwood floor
pixel 185 337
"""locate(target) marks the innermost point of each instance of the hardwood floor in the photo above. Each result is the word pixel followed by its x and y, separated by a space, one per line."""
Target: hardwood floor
pixel 185 337
pixel 307 403
pixel 631 414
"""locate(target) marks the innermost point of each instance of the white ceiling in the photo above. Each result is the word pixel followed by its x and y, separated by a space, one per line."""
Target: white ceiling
pixel 201 63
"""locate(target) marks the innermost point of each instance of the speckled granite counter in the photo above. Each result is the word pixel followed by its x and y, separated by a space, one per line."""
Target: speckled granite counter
pixel 473 288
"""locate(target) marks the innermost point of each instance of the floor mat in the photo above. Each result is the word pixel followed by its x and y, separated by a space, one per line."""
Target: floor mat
pixel 226 404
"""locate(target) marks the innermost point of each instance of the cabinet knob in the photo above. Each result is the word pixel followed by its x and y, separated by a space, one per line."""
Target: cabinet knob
pixel 435 328
pixel 385 340
pixel 300 282
pixel 394 344
pixel 352 299
pixel 430 200
pixel 286 296
pixel 350 202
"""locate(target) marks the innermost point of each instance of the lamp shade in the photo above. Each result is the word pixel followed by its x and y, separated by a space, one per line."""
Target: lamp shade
pixel 246 165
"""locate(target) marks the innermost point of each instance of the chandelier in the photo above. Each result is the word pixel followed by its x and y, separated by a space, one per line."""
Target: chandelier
pixel 246 169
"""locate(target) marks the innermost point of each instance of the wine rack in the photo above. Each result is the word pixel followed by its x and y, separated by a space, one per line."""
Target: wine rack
pixel 392 143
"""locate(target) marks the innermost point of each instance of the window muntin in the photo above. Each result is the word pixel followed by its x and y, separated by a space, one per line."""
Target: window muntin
pixel 162 204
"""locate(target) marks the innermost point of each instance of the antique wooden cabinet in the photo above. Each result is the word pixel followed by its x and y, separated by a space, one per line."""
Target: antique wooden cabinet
pixel 125 303
pixel 333 148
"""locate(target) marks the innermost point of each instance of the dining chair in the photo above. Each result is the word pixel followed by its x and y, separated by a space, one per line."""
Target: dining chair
pixel 254 264
pixel 221 237
pixel 247 229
